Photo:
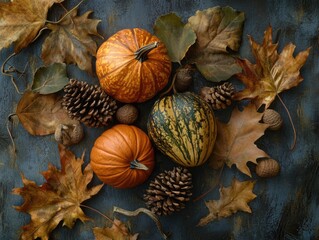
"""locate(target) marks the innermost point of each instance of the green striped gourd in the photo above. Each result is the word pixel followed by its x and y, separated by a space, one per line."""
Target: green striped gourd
pixel 183 127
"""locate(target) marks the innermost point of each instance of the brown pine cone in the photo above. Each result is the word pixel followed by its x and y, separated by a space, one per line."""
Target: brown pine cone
pixel 220 97
pixel 88 104
pixel 169 191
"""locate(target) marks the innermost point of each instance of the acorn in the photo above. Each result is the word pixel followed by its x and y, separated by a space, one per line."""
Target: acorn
pixel 267 168
pixel 272 118
pixel 69 134
pixel 127 114
pixel 184 77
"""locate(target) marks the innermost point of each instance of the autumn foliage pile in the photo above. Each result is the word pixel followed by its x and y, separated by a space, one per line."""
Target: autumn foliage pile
pixel 209 42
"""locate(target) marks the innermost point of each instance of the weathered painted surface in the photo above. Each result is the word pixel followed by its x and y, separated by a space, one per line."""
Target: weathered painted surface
pixel 286 206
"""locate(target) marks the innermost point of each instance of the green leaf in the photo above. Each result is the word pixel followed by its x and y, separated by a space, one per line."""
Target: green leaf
pixel 176 36
pixel 218 30
pixel 50 79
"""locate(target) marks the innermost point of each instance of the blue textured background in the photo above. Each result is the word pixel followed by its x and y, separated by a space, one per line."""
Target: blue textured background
pixel 286 206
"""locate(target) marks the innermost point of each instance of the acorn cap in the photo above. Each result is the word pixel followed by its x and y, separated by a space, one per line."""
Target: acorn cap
pixel 272 118
pixel 267 168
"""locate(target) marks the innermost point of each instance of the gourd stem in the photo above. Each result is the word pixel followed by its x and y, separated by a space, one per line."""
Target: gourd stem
pixel 141 54
pixel 135 164
pixel 172 86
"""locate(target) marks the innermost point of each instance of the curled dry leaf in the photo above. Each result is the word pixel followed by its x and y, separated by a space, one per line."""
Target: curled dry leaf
pixel 21 20
pixel 41 114
pixel 176 36
pixel 272 73
pixel 50 79
pixel 71 41
pixel 59 198
pixel 118 231
pixel 235 143
pixel 232 199
pixel 218 30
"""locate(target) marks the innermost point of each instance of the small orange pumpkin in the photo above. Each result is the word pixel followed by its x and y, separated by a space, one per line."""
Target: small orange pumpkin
pixel 123 156
pixel 132 65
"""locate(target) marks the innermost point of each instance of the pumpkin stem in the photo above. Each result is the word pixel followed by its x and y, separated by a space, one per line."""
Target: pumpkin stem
pixel 135 164
pixel 141 54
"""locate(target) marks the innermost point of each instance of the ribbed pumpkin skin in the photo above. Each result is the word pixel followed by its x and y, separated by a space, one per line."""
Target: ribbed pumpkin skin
pixel 125 78
pixel 183 127
pixel 113 152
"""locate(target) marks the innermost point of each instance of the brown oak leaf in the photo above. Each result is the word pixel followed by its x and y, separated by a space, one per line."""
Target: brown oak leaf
pixel 59 198
pixel 272 73
pixel 71 41
pixel 235 140
pixel 118 231
pixel 21 20
pixel 232 199
pixel 40 114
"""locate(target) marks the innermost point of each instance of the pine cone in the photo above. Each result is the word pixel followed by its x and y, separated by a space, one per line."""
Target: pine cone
pixel 220 97
pixel 169 191
pixel 88 104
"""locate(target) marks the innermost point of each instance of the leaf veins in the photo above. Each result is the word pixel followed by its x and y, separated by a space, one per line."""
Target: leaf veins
pixel 272 73
pixel 235 143
pixel 232 199
pixel 21 20
pixel 58 199
pixel 71 41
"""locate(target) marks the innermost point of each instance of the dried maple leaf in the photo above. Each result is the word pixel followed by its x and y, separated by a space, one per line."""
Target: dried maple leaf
pixel 71 41
pixel 232 199
pixel 40 114
pixel 235 140
pixel 58 199
pixel 21 20
pixel 272 73
pixel 118 231
pixel 176 35
pixel 218 30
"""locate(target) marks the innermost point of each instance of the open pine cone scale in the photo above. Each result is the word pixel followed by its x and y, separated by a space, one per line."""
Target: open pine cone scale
pixel 88 104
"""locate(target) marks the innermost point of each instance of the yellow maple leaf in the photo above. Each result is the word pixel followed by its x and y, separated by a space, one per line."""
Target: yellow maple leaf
pixel 58 199
pixel 272 73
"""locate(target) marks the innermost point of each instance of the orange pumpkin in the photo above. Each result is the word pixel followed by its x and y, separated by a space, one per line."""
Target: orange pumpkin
pixel 132 65
pixel 123 156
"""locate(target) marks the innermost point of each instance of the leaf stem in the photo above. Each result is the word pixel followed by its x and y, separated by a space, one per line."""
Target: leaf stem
pixel 65 15
pixel 9 72
pixel 97 211
pixel 103 215
pixel 213 187
pixel 10 131
pixel 142 210
pixel 292 123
